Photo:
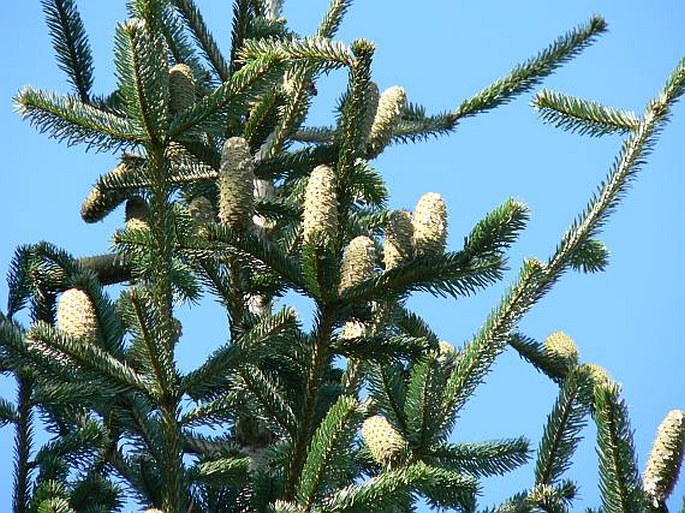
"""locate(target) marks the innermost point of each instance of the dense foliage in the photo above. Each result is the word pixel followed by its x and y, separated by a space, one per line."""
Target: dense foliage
pixel 228 193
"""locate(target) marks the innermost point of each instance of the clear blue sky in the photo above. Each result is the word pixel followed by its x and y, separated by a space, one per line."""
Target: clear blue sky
pixel 628 319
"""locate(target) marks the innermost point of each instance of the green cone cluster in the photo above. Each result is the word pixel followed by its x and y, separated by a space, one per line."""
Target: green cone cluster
pixel 181 88
pixel 320 214
pixel 236 184
pixel 391 104
pixel 358 262
pixel 76 315
pixel 430 225
pixel 383 440
pixel 561 347
pixel 398 245
pixel 665 459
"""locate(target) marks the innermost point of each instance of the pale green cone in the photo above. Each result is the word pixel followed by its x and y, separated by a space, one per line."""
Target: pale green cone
pixel 383 441
pixel 320 213
pixel 398 245
pixel 236 184
pixel 181 88
pixel 430 225
pixel 560 346
pixel 666 457
pixel 358 262
pixel 76 315
pixel 391 104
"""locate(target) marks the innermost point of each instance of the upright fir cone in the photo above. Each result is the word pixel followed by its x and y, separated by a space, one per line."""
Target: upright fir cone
pixel 665 459
pixel 560 346
pixel 383 441
pixel 391 104
pixel 398 245
pixel 430 225
pixel 76 315
pixel 236 184
pixel 181 88
pixel 320 214
pixel 358 262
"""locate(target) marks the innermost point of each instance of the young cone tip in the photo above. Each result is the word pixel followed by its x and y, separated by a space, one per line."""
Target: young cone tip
pixel 383 441
pixel 236 184
pixel 358 262
pixel 430 224
pixel 561 346
pixel 320 213
pixel 75 315
pixel 665 458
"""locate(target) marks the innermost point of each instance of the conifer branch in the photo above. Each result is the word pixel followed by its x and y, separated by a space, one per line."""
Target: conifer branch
pixel 243 15
pixel 70 41
pixel 252 79
pixel 532 351
pixel 90 358
pixel 582 116
pixel 388 388
pixel 246 348
pixel 334 434
pixel 67 119
pixel 536 279
pixel 205 41
pixel 270 398
pixel 383 490
pixel 529 74
pixel 562 431
pixel 142 72
pixel 482 458
pixel 23 442
pixel 333 18
pixel 619 478
pixel 317 52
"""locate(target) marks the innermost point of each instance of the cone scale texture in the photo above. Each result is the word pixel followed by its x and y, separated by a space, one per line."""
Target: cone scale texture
pixel 561 346
pixel 430 225
pixel 181 88
pixel 665 459
pixel 383 441
pixel 236 184
pixel 320 215
pixel 76 315
pixel 358 262
pixel 398 245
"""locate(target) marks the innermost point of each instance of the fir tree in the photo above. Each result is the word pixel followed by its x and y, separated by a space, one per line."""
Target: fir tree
pixel 228 193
